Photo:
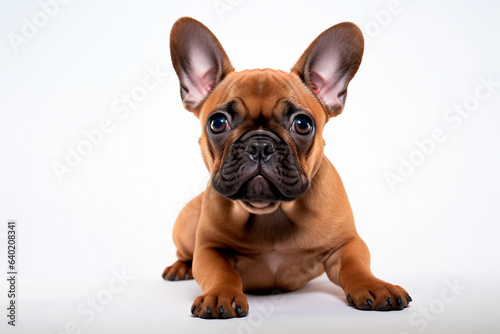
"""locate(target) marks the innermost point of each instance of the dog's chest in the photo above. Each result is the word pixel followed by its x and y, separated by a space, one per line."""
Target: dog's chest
pixel 270 230
pixel 273 260
pixel 266 263
pixel 284 270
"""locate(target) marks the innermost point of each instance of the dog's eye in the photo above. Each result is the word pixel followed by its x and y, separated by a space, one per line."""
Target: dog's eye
pixel 219 124
pixel 302 126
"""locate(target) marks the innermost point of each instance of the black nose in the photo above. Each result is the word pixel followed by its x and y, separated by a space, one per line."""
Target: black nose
pixel 260 149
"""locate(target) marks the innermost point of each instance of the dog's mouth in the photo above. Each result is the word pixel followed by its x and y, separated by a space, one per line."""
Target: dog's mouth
pixel 259 195
pixel 257 191
pixel 260 207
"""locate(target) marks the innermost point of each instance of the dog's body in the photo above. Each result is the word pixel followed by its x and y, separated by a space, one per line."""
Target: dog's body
pixel 275 214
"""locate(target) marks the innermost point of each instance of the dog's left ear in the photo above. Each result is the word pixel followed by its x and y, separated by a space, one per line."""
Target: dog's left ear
pixel 330 62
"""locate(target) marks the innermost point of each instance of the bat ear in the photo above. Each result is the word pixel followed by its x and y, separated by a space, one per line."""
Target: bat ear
pixel 199 61
pixel 330 62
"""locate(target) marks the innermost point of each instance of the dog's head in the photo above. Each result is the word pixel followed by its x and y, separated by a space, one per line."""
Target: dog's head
pixel 262 129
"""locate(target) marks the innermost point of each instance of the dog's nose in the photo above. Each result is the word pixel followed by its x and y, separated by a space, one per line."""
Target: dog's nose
pixel 260 149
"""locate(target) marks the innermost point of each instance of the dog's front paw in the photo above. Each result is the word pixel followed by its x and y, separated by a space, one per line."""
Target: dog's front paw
pixel 375 294
pixel 220 305
pixel 180 270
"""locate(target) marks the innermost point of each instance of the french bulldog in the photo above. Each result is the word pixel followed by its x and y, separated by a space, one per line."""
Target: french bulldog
pixel 275 213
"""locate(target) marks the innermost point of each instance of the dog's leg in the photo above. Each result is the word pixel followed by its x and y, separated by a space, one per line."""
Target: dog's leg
pixel 184 238
pixel 349 267
pixel 223 291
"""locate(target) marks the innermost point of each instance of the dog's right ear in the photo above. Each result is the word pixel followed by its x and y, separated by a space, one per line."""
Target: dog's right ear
pixel 199 61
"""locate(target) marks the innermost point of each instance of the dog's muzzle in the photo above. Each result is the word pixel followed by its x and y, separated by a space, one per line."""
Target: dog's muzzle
pixel 260 167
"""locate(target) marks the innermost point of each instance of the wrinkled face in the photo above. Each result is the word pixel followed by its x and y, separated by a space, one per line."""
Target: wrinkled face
pixel 262 129
pixel 262 138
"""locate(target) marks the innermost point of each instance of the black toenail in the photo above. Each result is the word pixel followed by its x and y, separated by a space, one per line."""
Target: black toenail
pixel 209 310
pixel 193 308
pixel 400 300
pixel 238 309
pixel 389 301
pixel 369 302
pixel 221 309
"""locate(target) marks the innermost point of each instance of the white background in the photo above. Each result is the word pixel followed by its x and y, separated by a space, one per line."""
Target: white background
pixel 115 211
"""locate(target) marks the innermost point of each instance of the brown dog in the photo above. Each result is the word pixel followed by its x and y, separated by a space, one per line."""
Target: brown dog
pixel 275 214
